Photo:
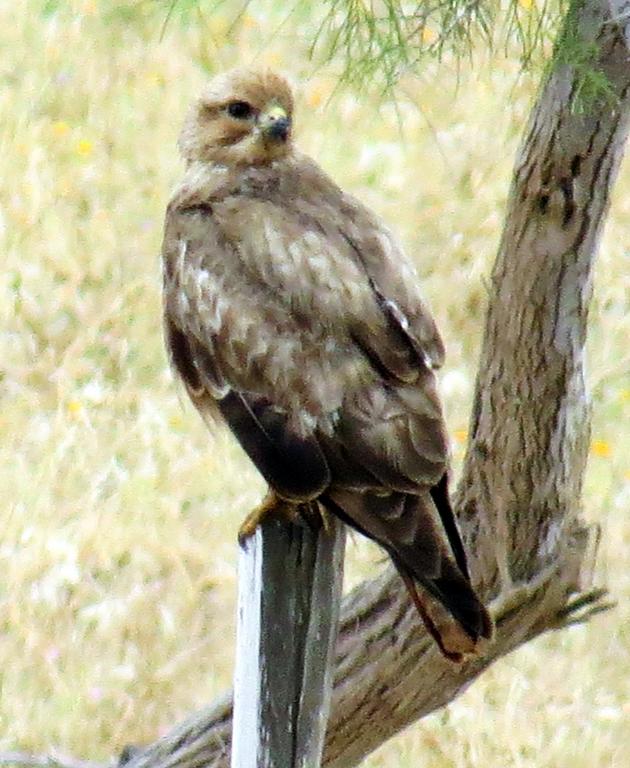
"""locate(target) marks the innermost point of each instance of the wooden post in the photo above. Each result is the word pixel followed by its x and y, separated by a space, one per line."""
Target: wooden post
pixel 289 592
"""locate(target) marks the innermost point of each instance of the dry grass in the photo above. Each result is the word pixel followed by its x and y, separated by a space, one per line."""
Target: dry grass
pixel 117 554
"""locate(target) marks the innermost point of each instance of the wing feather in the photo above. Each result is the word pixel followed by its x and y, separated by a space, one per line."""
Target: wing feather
pixel 195 325
pixel 295 466
pixel 393 280
pixel 381 432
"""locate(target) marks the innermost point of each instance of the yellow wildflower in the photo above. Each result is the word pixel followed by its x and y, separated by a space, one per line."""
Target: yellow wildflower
pixel 460 435
pixel 84 148
pixel 74 408
pixel 60 129
pixel 601 448
pixel 316 95
pixel 429 35
pixel 249 21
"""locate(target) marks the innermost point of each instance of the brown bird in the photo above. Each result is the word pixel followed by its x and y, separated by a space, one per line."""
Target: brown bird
pixel 292 314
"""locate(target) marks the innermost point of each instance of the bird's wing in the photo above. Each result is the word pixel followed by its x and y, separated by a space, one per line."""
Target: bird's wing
pixel 392 279
pixel 394 432
pixel 199 310
pixel 299 298
pixel 340 263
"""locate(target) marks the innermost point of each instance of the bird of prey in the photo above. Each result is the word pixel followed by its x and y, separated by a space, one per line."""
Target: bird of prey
pixel 292 314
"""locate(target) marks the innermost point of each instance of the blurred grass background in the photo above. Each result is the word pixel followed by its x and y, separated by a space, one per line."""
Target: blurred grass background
pixel 118 510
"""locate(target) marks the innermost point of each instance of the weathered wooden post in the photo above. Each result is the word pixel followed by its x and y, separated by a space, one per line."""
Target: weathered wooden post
pixel 290 579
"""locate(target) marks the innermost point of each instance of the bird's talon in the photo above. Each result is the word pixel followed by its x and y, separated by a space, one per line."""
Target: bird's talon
pixel 266 508
pixel 245 532
pixel 271 506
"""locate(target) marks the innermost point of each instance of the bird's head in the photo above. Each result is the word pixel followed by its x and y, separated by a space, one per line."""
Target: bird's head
pixel 243 117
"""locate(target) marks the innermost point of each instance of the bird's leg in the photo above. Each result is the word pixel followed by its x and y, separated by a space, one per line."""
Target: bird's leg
pixel 271 506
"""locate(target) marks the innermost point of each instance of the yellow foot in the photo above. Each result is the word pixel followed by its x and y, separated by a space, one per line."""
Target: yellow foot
pixel 271 506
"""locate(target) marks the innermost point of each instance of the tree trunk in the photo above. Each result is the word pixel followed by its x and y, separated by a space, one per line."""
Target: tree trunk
pixel 519 497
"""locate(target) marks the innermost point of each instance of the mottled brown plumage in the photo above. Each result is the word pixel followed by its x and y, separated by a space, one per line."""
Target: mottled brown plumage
pixel 292 314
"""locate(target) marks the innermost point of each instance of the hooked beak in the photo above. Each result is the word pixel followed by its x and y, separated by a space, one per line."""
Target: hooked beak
pixel 275 124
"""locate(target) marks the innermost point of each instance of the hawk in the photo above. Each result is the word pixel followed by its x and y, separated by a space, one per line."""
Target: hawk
pixel 292 314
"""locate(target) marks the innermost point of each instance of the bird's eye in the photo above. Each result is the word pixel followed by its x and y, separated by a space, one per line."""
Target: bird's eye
pixel 241 110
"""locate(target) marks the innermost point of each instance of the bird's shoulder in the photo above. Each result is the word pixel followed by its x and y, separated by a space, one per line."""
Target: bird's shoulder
pixel 293 183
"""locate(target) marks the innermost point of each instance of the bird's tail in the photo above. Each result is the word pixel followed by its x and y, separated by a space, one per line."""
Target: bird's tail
pixel 420 535
pixel 448 605
pixel 450 610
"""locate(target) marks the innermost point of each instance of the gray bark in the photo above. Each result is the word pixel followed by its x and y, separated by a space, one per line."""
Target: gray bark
pixel 519 497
